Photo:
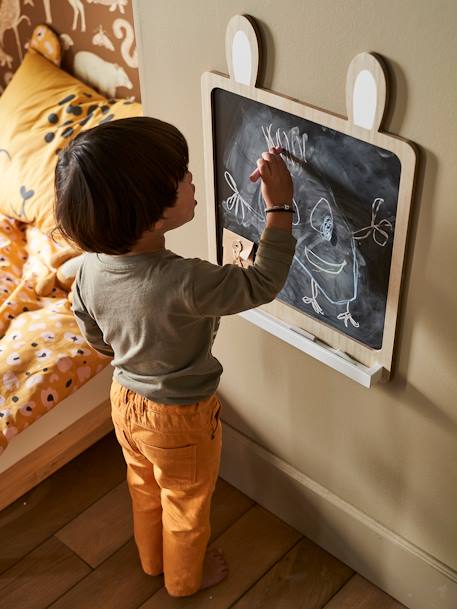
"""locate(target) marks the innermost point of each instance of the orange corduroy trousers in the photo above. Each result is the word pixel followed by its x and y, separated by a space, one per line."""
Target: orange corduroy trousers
pixel 173 455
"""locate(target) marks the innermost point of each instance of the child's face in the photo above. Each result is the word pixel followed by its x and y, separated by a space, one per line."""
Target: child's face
pixel 184 207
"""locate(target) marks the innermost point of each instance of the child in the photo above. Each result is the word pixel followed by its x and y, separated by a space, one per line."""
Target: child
pixel 119 188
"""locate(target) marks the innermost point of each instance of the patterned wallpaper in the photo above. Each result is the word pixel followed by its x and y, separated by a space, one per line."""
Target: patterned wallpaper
pixel 97 37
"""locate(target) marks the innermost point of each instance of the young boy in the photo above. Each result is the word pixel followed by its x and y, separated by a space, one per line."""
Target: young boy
pixel 119 188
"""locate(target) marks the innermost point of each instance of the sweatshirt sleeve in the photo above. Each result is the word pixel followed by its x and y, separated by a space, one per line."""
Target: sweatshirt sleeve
pixel 225 290
pixel 88 327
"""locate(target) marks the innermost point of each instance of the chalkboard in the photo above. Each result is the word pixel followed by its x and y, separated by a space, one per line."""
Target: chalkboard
pixel 345 198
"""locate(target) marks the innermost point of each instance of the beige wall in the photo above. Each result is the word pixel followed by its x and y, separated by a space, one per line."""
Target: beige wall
pixel 390 451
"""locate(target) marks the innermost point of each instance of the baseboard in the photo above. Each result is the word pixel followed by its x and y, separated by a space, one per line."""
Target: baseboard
pixel 397 566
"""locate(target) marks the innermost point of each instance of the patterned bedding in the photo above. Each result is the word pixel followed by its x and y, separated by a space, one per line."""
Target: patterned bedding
pixel 43 357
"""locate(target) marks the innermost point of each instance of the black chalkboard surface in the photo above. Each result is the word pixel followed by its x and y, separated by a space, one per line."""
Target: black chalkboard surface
pixel 345 197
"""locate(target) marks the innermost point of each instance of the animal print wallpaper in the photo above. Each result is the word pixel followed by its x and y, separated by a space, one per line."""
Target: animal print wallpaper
pixel 97 36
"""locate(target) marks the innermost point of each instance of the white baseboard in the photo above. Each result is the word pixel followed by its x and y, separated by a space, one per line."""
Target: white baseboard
pixel 397 566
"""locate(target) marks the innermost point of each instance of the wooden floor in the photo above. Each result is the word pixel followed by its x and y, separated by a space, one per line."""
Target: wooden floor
pixel 67 544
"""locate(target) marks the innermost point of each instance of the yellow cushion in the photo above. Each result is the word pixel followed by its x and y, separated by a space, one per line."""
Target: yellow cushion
pixel 41 110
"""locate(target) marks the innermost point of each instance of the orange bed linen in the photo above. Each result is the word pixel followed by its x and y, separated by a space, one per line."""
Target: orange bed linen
pixel 43 357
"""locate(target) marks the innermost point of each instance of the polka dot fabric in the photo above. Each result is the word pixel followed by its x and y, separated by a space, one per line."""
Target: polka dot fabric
pixel 43 357
pixel 13 255
pixel 41 110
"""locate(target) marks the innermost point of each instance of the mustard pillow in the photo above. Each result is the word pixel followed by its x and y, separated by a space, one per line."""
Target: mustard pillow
pixel 42 109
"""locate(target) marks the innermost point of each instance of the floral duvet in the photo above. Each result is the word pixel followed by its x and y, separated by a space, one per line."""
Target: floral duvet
pixel 43 357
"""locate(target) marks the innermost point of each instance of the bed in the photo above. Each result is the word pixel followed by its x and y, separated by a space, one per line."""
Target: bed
pixel 54 398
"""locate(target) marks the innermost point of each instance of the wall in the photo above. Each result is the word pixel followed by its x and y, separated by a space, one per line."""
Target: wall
pixel 102 27
pixel 391 451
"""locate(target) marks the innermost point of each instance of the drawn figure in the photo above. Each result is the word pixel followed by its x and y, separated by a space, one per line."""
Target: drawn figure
pixel 292 142
pixel 78 11
pixel 47 10
pixel 26 195
pixel 380 235
pixel 235 202
pixel 10 18
pixel 333 270
pixel 5 59
pixel 113 4
pixel 101 39
pixel 121 27
pixel 67 41
pixel 99 73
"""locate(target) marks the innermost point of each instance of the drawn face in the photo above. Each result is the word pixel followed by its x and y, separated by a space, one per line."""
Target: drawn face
pixel 325 248
pixel 330 256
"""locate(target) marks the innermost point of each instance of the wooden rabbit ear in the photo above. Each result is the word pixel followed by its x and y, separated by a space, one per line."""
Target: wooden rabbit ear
pixel 366 92
pixel 242 50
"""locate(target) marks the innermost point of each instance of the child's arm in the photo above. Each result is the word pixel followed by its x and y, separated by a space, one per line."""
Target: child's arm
pixel 277 187
pixel 88 327
pixel 230 289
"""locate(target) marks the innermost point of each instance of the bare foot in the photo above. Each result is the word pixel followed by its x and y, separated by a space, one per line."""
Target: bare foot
pixel 215 568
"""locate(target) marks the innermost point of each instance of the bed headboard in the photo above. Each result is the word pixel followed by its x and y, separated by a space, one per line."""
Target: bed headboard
pixel 97 38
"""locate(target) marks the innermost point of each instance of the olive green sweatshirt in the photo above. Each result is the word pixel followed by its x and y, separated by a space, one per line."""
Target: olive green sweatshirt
pixel 157 313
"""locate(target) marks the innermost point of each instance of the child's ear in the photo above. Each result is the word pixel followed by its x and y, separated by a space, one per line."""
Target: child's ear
pixel 159 224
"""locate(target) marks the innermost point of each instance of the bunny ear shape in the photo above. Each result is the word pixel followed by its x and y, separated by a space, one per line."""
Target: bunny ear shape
pixel 366 92
pixel 242 50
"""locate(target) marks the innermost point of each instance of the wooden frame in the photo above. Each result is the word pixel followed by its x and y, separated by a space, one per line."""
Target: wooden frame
pixel 57 437
pixel 366 93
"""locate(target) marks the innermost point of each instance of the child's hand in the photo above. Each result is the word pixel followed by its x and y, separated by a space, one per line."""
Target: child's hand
pixel 277 185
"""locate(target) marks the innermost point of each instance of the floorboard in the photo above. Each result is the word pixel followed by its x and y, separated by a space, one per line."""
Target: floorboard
pixel 41 576
pixel 359 593
pixel 101 529
pixel 118 583
pixel 305 578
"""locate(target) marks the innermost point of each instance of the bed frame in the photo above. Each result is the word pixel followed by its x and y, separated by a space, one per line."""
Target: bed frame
pixel 57 437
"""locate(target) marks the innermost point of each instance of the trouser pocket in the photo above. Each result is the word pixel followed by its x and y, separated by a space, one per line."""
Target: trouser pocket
pixel 173 467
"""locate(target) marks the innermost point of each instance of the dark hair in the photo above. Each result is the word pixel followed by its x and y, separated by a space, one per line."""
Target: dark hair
pixel 114 181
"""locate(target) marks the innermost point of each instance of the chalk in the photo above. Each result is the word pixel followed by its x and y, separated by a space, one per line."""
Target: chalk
pixel 255 175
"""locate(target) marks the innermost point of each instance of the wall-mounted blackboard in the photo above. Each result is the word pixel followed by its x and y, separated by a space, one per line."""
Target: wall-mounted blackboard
pixel 345 194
